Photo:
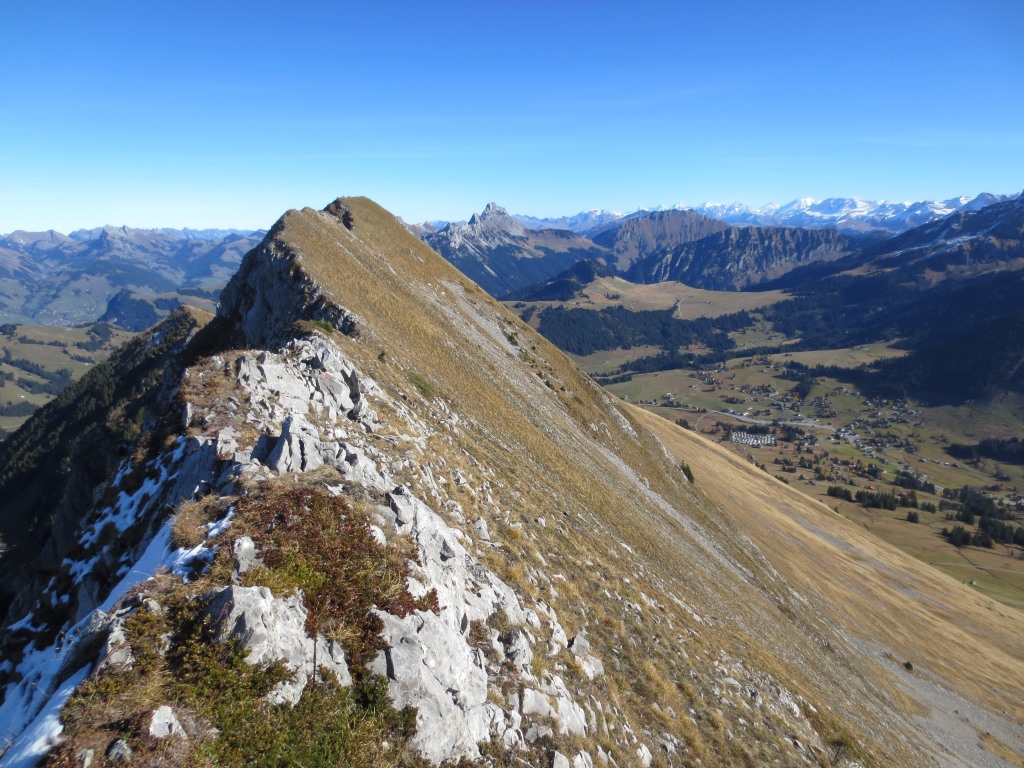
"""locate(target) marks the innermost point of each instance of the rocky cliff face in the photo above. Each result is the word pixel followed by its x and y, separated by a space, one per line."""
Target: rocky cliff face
pixel 380 521
pixel 742 257
pixel 642 236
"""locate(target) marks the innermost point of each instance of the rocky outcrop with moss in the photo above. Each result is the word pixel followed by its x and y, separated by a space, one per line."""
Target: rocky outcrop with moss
pixel 302 415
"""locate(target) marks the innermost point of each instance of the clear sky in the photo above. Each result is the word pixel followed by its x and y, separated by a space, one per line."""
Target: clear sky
pixel 222 114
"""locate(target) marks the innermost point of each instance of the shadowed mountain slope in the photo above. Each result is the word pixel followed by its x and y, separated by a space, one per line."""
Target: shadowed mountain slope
pixel 739 258
pixel 643 235
pixel 567 590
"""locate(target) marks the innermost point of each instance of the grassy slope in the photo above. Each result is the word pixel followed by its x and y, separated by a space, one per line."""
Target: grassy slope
pixel 51 358
pixel 551 445
pixel 874 592
pixel 998 572
pixel 690 302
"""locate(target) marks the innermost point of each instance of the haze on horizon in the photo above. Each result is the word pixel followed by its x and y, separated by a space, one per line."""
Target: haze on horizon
pixel 198 115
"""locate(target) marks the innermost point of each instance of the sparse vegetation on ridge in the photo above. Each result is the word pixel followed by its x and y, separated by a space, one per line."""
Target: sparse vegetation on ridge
pixel 321 545
pixel 310 542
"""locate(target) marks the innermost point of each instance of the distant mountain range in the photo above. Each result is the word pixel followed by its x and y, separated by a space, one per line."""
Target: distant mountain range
pixel 505 258
pixel 583 223
pixel 736 249
pixel 850 215
pixel 134 276
pixel 846 214
pixel 56 279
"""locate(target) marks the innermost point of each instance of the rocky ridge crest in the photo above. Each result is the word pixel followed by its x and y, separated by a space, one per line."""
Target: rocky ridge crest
pixel 324 408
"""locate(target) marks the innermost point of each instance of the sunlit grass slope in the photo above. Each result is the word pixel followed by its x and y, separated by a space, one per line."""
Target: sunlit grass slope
pixel 681 587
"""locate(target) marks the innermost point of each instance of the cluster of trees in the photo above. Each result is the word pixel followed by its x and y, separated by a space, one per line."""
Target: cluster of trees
pixel 583 331
pixel 1009 451
pixel 912 482
pixel 972 506
pixel 53 382
pixel 959 536
pixel 803 375
pixel 41 343
pixel 99 335
pixel 971 500
pixel 26 365
pixel 20 408
pixel 790 433
pixel 619 378
pixel 877 499
pixel 1002 532
pixel 840 492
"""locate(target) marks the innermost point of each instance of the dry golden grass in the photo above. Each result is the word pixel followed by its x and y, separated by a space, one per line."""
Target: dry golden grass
pixel 191 520
pixel 690 302
pixel 857 582
pixel 670 580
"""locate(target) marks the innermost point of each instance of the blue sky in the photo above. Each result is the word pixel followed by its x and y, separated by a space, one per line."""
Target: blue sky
pixel 226 114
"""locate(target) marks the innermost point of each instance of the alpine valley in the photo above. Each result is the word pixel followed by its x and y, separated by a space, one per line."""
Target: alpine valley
pixel 365 514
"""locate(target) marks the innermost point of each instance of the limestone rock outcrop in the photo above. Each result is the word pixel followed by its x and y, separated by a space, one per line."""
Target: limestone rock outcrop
pixel 273 629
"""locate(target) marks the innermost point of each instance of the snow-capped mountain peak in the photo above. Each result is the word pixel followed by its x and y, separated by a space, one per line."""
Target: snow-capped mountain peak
pixel 847 214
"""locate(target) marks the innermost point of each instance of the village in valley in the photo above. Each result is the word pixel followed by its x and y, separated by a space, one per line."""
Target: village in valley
pixel 882 463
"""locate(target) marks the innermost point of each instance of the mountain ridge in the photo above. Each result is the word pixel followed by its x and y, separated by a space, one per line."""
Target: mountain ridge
pixel 58 279
pixel 753 255
pixel 851 215
pixel 578 577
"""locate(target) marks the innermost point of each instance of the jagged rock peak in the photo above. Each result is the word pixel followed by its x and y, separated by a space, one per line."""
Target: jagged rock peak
pixel 493 218
pixel 491 210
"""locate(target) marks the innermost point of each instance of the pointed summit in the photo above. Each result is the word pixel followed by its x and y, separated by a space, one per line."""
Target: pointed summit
pixel 493 209
pixel 493 215
pixel 503 256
